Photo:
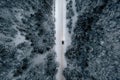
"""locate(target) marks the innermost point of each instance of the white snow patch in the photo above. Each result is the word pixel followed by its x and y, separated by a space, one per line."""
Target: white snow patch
pixel 19 39
pixel 38 59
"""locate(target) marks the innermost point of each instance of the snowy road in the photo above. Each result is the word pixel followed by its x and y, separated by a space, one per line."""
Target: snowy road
pixel 61 35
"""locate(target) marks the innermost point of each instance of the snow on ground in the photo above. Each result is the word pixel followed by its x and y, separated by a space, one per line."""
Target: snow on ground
pixel 19 39
pixel 74 18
